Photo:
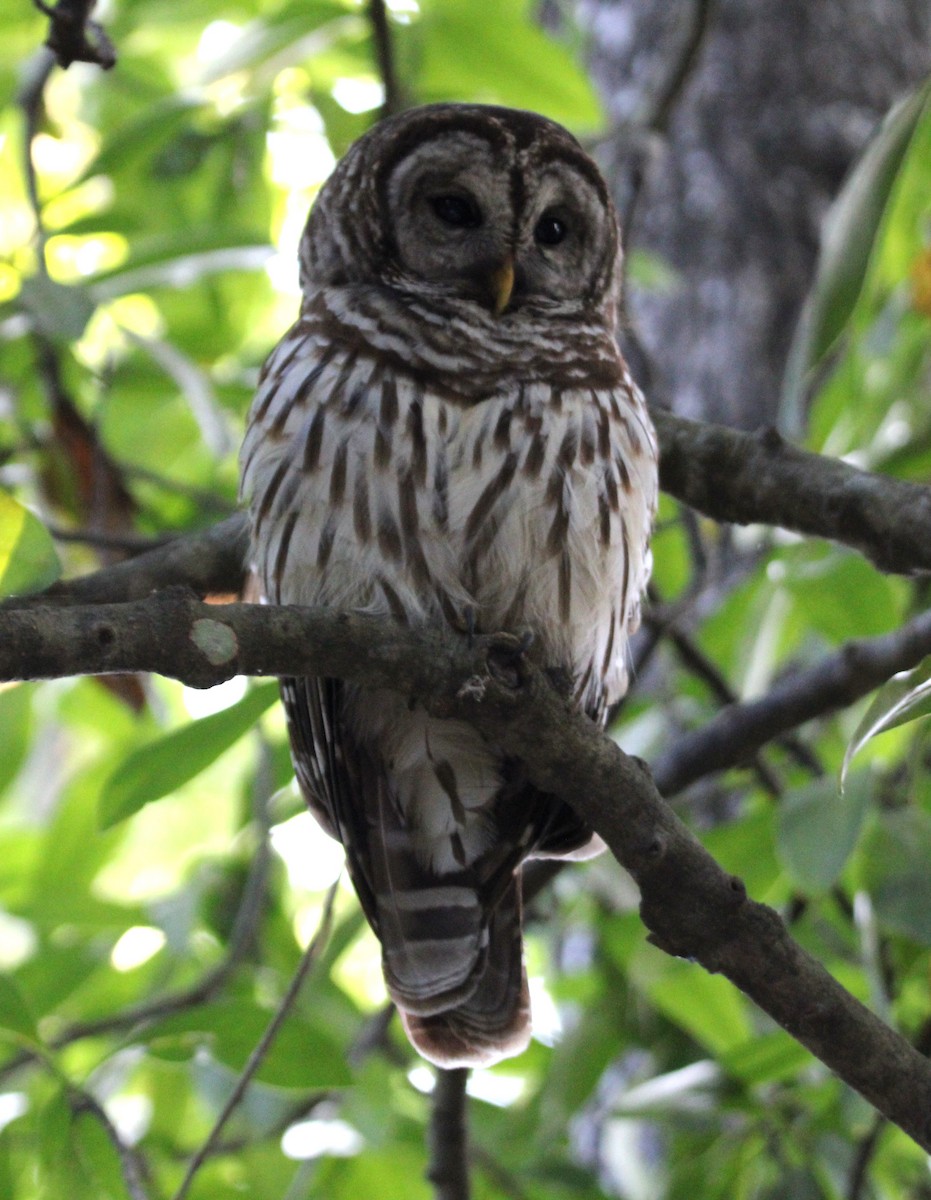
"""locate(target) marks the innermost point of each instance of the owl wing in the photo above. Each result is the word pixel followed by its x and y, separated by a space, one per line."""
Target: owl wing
pixel 450 938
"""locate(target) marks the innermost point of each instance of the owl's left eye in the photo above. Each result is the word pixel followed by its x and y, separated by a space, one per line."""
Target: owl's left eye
pixel 460 212
pixel 550 230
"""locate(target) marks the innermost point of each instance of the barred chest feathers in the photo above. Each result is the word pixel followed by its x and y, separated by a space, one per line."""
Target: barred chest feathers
pixel 530 509
pixel 526 511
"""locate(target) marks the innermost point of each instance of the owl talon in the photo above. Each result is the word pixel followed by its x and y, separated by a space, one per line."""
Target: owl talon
pixel 507 660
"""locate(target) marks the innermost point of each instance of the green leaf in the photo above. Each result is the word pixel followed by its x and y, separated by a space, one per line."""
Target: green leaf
pixel 894 870
pixel 296 33
pixel 508 60
pixel 302 1055
pixel 180 261
pixel 906 697
pixel 818 827
pixel 54 1142
pixel 98 1157
pixel 60 311
pixel 848 244
pixel 164 765
pixel 139 137
pixel 15 730
pixel 768 1058
pixel 28 561
pixel 821 582
pixel 15 1017
pixel 708 1007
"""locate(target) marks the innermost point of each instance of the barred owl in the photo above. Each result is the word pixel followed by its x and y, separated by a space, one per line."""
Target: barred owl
pixel 448 435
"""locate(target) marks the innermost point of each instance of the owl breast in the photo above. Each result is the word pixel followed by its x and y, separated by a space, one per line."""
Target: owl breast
pixel 527 510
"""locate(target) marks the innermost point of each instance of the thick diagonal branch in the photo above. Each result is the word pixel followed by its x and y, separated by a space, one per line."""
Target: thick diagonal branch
pixel 692 908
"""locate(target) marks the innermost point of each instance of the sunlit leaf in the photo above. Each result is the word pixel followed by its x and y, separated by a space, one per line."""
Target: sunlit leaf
pixel 15 1017
pixel 177 269
pixel 294 33
pixel 906 697
pixel 198 390
pixel 509 60
pixel 28 561
pixel 141 134
pixel 164 765
pixel 15 728
pixel 709 1007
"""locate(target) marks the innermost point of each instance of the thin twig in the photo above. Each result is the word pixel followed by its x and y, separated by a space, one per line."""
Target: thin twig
pixel 683 67
pixel 257 1056
pixel 447 1137
pixel 132 1166
pixel 698 663
pixel 298 1111
pixel 74 37
pixel 208 501
pixel 866 1149
pixel 838 680
pixel 125 543
pixel 694 659
pixel 384 52
pixel 30 99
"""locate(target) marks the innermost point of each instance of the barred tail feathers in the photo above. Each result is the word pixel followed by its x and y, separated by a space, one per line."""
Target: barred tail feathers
pixel 488 1017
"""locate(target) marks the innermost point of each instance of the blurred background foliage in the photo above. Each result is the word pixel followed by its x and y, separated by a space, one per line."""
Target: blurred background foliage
pixel 158 877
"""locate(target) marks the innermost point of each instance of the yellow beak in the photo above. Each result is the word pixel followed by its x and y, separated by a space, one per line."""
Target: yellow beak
pixel 502 284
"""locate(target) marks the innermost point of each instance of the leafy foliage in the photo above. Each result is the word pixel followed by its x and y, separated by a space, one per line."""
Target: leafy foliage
pixel 157 876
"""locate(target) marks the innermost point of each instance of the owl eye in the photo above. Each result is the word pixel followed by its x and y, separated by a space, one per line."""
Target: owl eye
pixel 550 230
pixel 459 212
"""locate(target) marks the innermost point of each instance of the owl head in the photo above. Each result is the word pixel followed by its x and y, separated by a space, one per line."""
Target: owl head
pixel 468 204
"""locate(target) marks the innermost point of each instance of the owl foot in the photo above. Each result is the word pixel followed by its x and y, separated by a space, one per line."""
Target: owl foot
pixel 507 658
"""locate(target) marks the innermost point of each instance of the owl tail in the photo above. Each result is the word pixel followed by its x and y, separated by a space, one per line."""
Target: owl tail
pixel 457 975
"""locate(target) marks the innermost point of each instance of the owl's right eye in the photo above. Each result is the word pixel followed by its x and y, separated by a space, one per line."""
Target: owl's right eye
pixel 457 211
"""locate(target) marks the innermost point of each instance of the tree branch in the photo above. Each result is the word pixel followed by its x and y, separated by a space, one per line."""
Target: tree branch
pixel 692 908
pixel 837 681
pixel 209 562
pixel 384 53
pixel 682 67
pixel 74 37
pixel 132 1166
pixel 759 478
pixel 447 1139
